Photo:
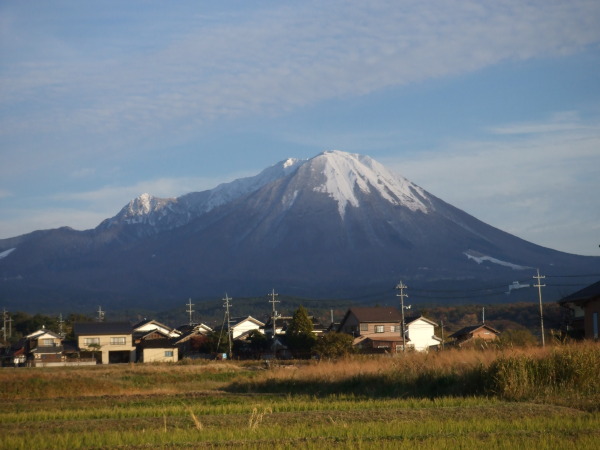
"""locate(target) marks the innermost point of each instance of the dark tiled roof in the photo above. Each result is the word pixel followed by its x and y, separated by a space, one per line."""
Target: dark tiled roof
pixel 48 350
pixel 468 330
pixel 95 328
pixel 377 314
pixel 157 343
pixel 586 293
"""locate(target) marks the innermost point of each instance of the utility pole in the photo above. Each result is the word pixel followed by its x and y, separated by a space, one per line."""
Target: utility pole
pixel 4 322
pixel 483 315
pixel 402 295
pixel 60 326
pixel 540 286
pixel 442 323
pixel 190 311
pixel 100 317
pixel 229 331
pixel 274 316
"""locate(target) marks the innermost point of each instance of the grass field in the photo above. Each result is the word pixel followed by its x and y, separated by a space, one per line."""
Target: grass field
pixel 459 399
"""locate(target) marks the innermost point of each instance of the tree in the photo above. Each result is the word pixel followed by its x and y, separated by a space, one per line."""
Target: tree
pixel 518 338
pixel 334 345
pixel 299 334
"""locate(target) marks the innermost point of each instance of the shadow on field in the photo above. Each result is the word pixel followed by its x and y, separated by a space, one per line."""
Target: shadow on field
pixel 373 385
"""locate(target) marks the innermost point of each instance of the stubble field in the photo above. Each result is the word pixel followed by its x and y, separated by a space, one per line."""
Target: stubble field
pixel 455 399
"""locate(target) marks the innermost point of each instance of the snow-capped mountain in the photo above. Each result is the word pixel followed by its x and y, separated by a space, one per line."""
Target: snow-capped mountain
pixel 335 225
pixel 160 214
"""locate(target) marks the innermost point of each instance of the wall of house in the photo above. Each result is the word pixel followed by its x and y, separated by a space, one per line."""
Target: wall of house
pixel 484 334
pixel 158 355
pixel 420 334
pixel 243 327
pixel 592 319
pixel 106 346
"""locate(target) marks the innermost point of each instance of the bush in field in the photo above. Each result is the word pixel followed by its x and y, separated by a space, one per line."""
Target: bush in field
pixel 334 345
pixel 517 338
pixel 566 369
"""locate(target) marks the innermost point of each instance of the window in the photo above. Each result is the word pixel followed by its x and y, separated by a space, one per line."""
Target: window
pixel 91 341
pixel 168 353
pixel 364 327
pixel 47 343
pixel 117 341
pixel 379 328
pixel 397 328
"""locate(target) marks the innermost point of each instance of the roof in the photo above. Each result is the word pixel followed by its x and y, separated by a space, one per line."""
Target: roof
pixel 423 318
pixel 158 343
pixel 584 294
pixel 237 321
pixel 48 350
pixel 469 330
pixel 375 314
pixel 387 338
pixel 95 328
pixel 41 332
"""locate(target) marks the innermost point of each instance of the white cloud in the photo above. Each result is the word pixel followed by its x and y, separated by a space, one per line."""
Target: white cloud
pixel 272 60
pixel 541 187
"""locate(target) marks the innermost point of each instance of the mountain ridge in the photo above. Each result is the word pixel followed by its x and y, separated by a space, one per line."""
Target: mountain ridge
pixel 334 225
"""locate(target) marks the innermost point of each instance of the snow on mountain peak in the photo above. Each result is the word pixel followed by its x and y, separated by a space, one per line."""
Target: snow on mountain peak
pixel 290 162
pixel 344 172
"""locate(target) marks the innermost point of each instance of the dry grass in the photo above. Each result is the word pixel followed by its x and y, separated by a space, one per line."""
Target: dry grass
pixel 115 380
pixel 521 373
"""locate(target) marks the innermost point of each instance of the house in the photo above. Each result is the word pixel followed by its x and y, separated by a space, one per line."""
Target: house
pixel 375 329
pixel 584 309
pixel 162 349
pixel 147 325
pixel 379 329
pixel 43 347
pixel 420 334
pixel 242 326
pixel 185 342
pixel 112 340
pixel 474 334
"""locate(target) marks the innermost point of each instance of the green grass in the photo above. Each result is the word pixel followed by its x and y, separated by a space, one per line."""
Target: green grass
pixel 535 399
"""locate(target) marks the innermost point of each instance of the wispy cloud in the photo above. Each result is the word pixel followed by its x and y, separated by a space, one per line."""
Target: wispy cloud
pixel 536 186
pixel 272 60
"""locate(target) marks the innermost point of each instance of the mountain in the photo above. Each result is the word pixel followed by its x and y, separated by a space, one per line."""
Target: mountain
pixel 336 225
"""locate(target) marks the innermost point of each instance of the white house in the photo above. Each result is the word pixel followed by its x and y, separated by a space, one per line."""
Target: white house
pixel 420 333
pixel 242 326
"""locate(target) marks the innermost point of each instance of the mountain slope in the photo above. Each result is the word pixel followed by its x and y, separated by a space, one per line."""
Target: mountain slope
pixel 335 225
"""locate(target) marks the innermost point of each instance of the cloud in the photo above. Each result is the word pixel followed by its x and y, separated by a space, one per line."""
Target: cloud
pixel 269 61
pixel 538 186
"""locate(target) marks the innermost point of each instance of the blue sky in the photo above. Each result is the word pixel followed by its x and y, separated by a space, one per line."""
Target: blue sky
pixel 492 106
